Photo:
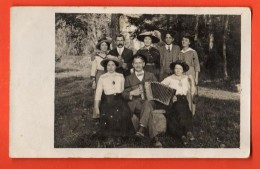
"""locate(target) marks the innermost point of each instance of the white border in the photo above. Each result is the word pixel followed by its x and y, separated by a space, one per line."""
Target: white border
pixel 32 86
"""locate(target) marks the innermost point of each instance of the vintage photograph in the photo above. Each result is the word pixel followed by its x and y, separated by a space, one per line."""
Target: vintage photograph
pixel 131 80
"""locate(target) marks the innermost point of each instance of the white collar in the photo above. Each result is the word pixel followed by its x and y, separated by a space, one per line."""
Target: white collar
pixel 103 57
pixel 189 49
pixel 111 73
pixel 139 72
pixel 166 46
pixel 148 48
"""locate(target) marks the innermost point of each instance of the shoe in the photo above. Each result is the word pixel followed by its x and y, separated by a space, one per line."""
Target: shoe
pixel 157 144
pixel 190 136
pixel 184 140
pixel 139 134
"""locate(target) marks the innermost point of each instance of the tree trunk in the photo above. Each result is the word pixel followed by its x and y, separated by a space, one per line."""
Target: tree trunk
pixel 225 36
pixel 211 62
pixel 114 27
pixel 211 34
pixel 196 29
pixel 179 28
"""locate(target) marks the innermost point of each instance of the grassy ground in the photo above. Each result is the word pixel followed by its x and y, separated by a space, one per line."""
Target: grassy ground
pixel 216 123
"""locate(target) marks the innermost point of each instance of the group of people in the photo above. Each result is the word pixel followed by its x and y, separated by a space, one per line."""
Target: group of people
pixel 116 75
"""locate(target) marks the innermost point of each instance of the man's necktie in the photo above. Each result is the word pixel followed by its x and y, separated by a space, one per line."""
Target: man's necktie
pixel 140 74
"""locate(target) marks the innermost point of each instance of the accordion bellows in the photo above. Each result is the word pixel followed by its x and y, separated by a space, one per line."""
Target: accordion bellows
pixel 158 92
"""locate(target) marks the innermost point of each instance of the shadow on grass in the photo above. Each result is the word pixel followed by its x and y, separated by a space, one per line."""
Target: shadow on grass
pixel 230 86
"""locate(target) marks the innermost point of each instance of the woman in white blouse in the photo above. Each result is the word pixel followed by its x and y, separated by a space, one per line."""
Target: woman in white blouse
pixel 115 116
pixel 179 115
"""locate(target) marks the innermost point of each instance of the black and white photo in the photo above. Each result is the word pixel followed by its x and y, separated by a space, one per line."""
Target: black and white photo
pixel 113 82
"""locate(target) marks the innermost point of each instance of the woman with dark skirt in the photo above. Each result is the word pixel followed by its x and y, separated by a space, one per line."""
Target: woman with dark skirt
pixel 179 115
pixel 115 116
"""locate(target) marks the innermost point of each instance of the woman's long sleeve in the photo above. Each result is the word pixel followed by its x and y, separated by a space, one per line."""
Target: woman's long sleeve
pixel 96 112
pixel 166 81
pixel 122 84
pixel 196 62
pixel 99 89
pixel 93 68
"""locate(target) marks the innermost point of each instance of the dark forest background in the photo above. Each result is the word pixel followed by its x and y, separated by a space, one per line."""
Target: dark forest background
pixel 217 38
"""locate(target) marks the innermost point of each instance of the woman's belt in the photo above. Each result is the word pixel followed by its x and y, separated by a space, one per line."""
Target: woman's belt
pixel 116 96
pixel 181 97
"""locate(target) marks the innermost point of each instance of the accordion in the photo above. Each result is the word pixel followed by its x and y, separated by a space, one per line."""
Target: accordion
pixel 158 92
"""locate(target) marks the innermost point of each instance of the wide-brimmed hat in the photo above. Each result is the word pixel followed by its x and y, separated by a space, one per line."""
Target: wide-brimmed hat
pixel 141 37
pixel 139 56
pixel 180 62
pixel 110 58
pixel 105 39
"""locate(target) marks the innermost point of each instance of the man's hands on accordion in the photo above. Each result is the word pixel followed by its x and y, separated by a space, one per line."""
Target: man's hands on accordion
pixel 136 92
pixel 174 99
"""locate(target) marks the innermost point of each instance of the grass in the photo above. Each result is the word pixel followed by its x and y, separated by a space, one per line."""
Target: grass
pixel 216 123
pixel 61 70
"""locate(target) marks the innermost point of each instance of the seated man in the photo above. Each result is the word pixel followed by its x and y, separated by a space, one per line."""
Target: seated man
pixel 142 108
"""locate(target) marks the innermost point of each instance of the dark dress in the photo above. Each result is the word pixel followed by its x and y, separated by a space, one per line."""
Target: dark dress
pixel 115 117
pixel 179 117
pixel 153 60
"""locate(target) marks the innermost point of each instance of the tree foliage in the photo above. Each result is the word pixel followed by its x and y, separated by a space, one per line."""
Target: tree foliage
pixel 77 34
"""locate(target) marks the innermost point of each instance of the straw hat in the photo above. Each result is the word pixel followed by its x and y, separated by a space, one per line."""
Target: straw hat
pixel 110 58
pixel 100 41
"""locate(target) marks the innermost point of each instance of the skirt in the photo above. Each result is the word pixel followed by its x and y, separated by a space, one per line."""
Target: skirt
pixel 179 117
pixel 115 117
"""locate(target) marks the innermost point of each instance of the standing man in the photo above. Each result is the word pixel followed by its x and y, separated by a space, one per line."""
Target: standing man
pixel 138 105
pixel 124 54
pixel 169 53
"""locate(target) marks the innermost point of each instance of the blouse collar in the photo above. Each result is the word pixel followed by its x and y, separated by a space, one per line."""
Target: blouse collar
pixel 189 49
pixel 111 74
pixel 103 57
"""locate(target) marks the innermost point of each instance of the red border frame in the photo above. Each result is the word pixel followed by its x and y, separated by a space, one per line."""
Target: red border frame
pixel 6 162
